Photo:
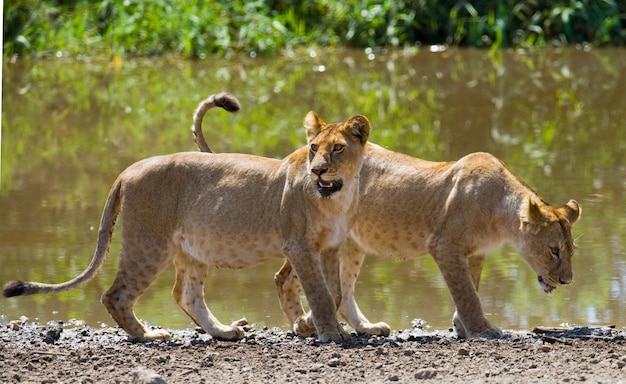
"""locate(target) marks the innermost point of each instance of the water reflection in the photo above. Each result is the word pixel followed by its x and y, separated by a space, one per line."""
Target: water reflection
pixel 556 118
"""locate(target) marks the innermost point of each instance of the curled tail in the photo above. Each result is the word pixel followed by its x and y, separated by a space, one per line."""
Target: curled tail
pixel 223 100
pixel 109 215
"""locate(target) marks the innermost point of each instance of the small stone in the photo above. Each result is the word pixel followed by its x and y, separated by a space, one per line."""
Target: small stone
pixel 380 351
pixel 161 359
pixel 52 335
pixel 546 348
pixel 394 378
pixel 334 362
pixel 426 373
pixel 463 352
pixel 146 376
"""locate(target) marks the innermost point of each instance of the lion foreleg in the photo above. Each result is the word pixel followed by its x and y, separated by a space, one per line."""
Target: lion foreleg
pixel 288 288
pixel 471 320
pixel 330 267
pixel 351 260
pixel 475 263
pixel 308 266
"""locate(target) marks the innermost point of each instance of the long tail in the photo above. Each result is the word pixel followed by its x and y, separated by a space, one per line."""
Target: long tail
pixel 109 215
pixel 222 100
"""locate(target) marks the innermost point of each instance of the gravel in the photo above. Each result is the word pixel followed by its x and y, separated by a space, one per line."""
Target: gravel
pixel 64 353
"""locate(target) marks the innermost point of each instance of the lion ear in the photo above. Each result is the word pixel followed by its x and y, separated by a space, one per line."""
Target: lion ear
pixel 572 211
pixel 313 126
pixel 359 126
pixel 531 217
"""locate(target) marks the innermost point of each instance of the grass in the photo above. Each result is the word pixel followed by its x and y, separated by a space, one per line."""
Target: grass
pixel 200 28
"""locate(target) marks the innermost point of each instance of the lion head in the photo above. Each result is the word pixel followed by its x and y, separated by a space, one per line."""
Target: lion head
pixel 547 245
pixel 332 150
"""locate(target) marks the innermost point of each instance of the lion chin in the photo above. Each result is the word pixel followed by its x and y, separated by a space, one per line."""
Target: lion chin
pixel 547 288
pixel 327 188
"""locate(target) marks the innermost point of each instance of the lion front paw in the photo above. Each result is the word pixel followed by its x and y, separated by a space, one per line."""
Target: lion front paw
pixel 483 329
pixel 231 333
pixel 491 332
pixel 303 326
pixel 339 336
pixel 154 335
pixel 374 329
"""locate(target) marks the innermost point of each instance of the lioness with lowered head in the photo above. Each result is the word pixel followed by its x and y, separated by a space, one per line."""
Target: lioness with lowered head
pixel 456 211
pixel 230 210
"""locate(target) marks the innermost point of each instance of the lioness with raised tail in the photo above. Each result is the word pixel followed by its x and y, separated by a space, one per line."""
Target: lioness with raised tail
pixel 230 210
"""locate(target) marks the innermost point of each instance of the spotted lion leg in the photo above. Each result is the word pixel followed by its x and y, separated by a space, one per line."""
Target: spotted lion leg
pixel 461 276
pixel 315 271
pixel 289 288
pixel 188 292
pixel 128 286
pixel 351 260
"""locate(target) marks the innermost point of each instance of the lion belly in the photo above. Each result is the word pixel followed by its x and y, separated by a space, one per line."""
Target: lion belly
pixel 381 235
pixel 231 250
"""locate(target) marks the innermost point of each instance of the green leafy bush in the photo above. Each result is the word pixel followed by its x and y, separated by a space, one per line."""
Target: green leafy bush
pixel 199 28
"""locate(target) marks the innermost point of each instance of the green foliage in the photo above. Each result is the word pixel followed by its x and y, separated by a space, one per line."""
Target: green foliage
pixel 199 28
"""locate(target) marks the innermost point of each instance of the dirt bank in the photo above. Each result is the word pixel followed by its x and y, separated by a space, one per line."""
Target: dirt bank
pixel 57 353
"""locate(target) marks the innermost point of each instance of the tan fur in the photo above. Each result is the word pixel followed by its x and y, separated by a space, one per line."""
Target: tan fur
pixel 457 212
pixel 230 210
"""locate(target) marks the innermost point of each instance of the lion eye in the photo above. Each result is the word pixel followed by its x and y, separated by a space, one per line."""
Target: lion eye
pixel 313 148
pixel 338 147
pixel 556 252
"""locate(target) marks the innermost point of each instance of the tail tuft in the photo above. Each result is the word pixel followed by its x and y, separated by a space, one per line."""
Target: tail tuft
pixel 222 100
pixel 14 288
pixel 227 101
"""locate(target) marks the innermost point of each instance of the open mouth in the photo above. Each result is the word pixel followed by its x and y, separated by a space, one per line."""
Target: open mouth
pixel 547 288
pixel 327 188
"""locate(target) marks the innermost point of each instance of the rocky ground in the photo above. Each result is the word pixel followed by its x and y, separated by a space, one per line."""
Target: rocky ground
pixel 60 353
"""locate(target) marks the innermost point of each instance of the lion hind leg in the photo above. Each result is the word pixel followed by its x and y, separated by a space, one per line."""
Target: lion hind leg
pixel 188 292
pixel 130 283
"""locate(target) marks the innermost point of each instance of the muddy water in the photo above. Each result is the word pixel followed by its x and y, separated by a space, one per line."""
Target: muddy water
pixel 557 118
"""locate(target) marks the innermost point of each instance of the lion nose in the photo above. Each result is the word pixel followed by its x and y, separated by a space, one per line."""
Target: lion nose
pixel 319 171
pixel 564 281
